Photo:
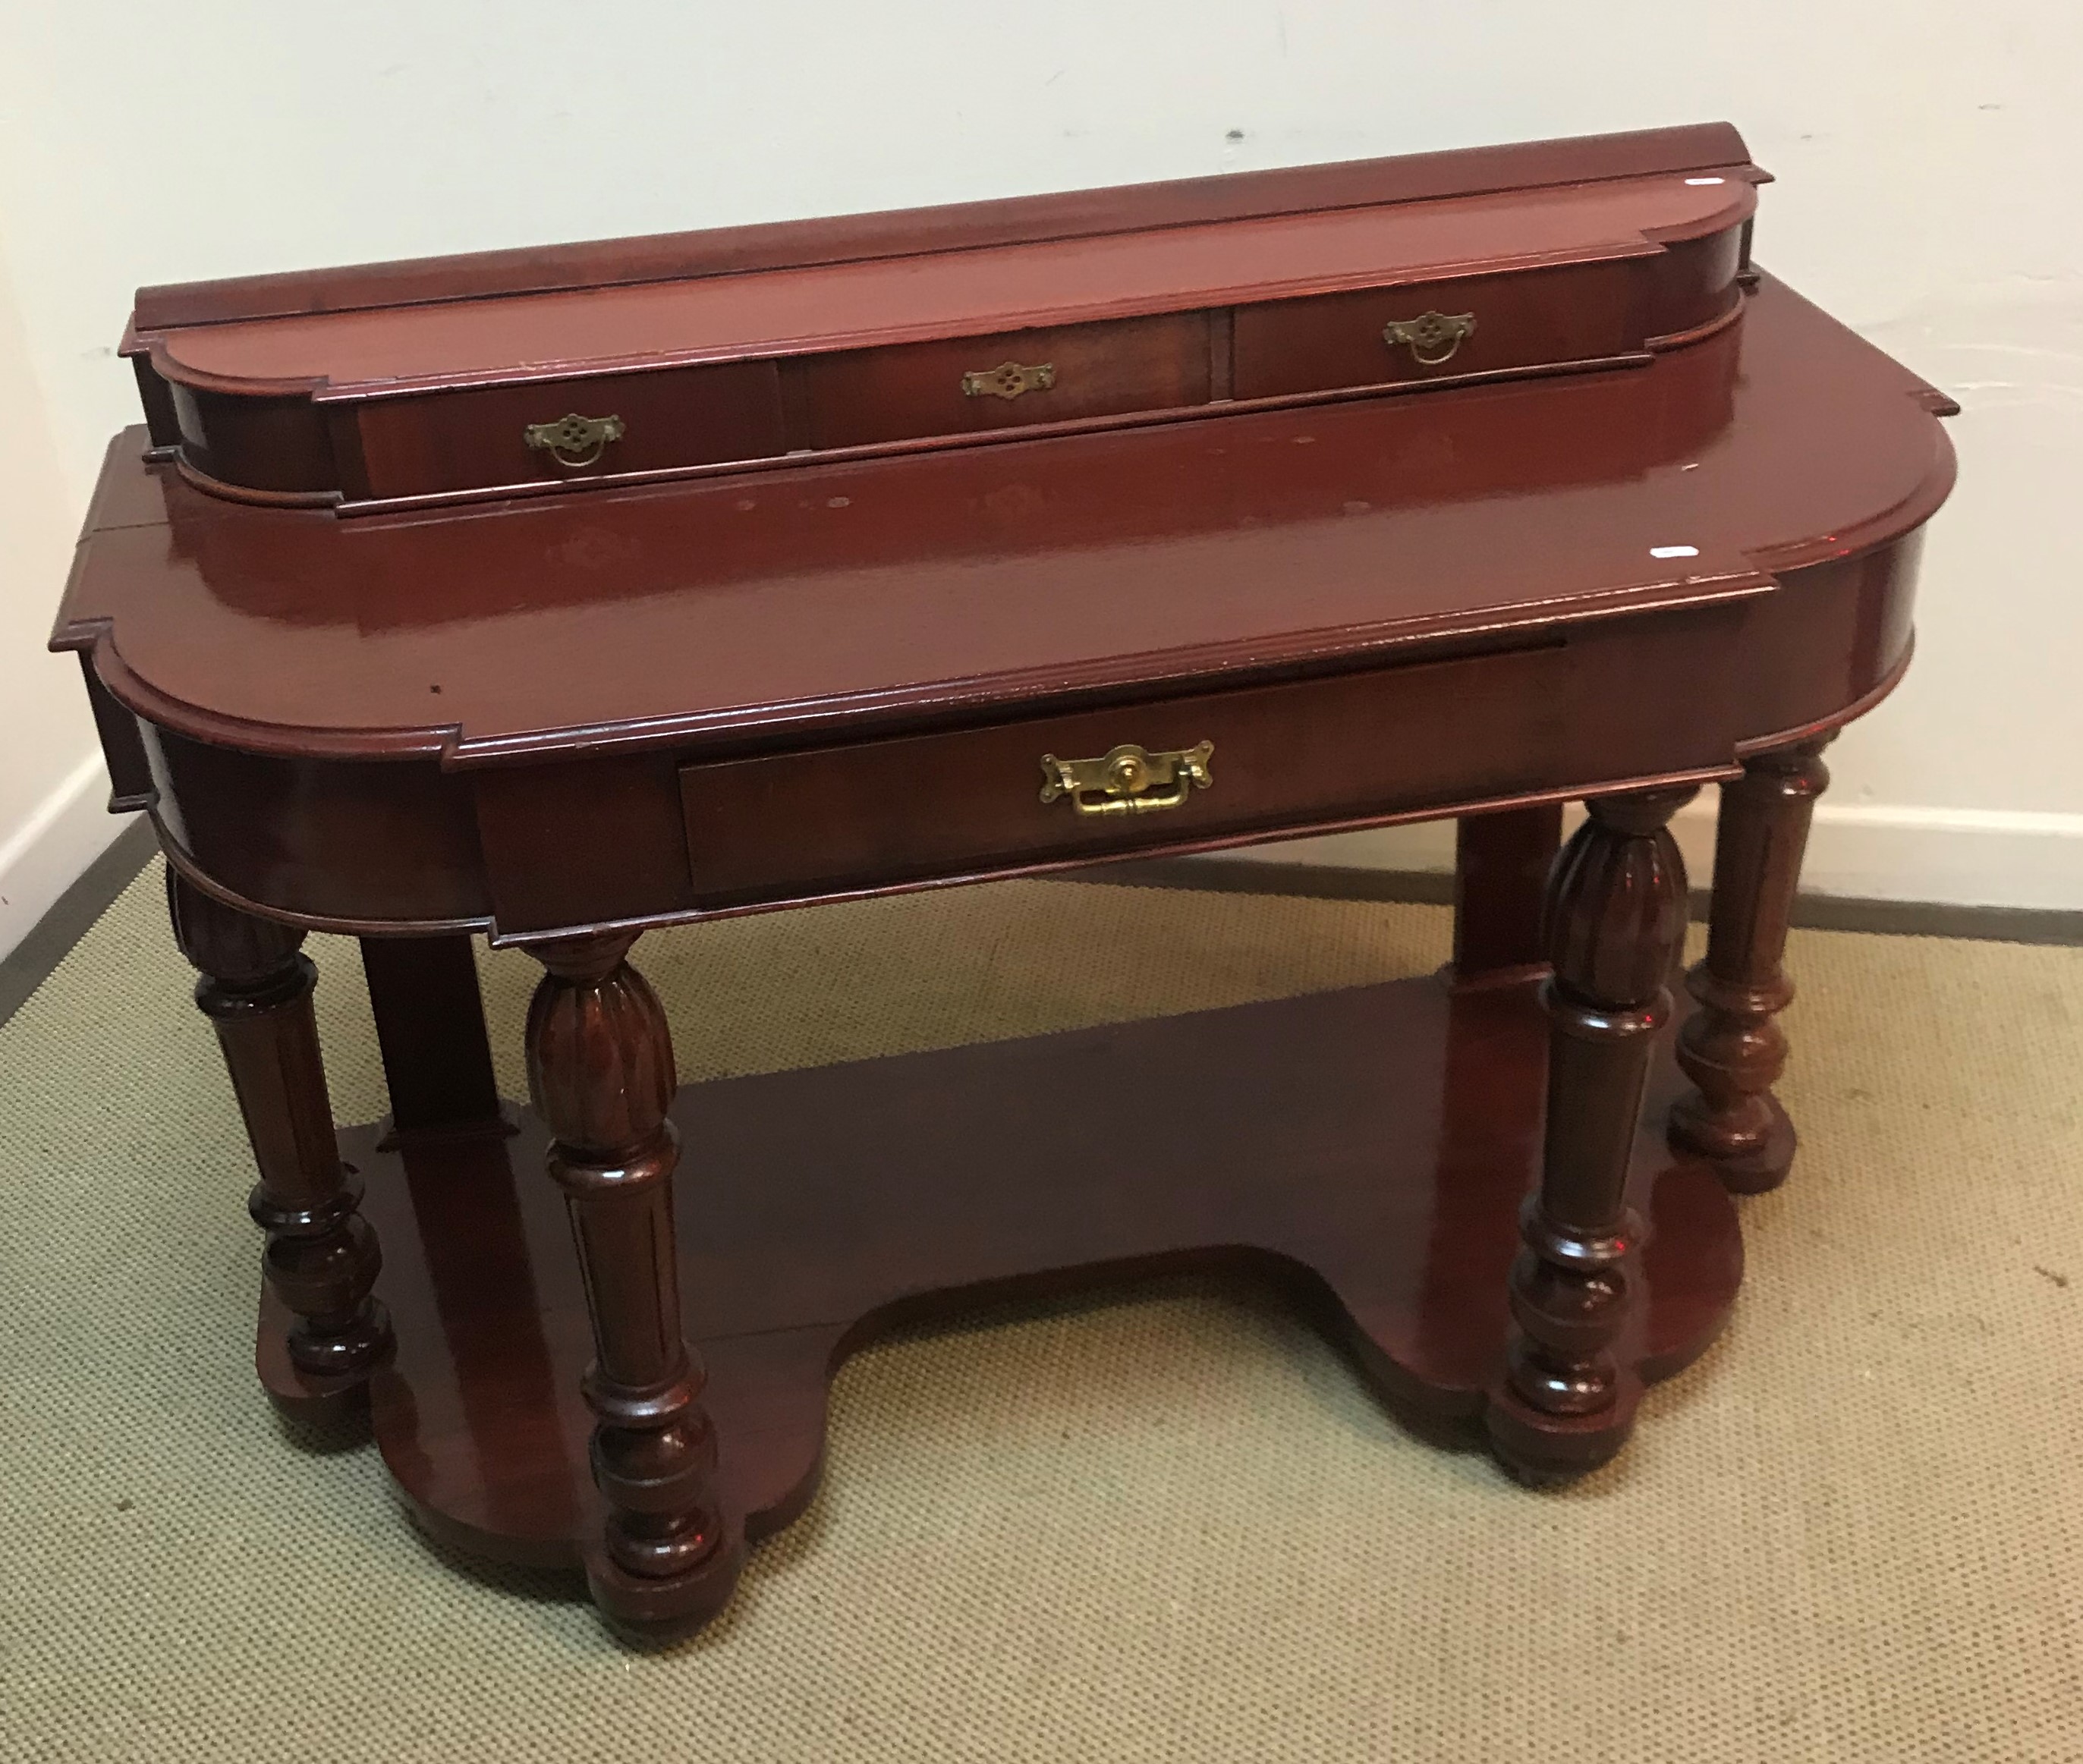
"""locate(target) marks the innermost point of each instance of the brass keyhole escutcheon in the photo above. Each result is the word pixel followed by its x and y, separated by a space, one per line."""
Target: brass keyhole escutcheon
pixel 574 442
pixel 1432 337
pixel 1128 779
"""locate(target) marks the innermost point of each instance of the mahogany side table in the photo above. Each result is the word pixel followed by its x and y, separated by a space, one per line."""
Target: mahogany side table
pixel 565 721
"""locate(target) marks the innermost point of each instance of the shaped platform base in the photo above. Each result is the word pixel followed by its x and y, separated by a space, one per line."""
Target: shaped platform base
pixel 1367 1149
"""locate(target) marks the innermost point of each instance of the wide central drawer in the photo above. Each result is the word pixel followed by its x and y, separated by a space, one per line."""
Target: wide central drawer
pixel 1172 771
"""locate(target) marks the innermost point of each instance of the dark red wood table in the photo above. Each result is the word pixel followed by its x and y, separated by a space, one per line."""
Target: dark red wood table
pixel 563 721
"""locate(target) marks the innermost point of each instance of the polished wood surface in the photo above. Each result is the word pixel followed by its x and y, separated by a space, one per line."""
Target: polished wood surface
pixel 328 736
pixel 1365 1151
pixel 322 1259
pixel 860 397
pixel 1734 1050
pixel 562 719
pixel 600 1073
pixel 1697 147
pixel 676 417
pixel 1501 865
pixel 1564 1398
pixel 1141 304
pixel 846 239
pixel 429 1017
pixel 1325 749
pixel 976 291
pixel 934 587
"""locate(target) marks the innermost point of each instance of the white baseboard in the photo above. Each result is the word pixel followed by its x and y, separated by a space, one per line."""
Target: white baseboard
pixel 70 829
pixel 1962 857
pixel 1874 851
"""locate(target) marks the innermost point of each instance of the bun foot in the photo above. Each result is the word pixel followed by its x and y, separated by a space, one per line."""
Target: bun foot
pixel 653 1611
pixel 306 1399
pixel 1541 1450
pixel 1756 1168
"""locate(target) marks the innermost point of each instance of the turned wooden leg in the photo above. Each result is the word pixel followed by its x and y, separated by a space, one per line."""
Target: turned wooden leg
pixel 430 1026
pixel 1733 1048
pixel 322 1257
pixel 600 1068
pixel 1500 864
pixel 1616 907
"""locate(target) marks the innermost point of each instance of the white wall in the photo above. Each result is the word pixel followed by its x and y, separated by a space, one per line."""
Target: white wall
pixel 1927 150
pixel 53 792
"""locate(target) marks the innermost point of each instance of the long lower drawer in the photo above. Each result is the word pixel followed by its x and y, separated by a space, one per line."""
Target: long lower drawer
pixel 1574 708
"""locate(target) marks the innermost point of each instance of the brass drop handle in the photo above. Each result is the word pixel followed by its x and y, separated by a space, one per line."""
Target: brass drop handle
pixel 574 442
pixel 1433 337
pixel 1008 379
pixel 1129 780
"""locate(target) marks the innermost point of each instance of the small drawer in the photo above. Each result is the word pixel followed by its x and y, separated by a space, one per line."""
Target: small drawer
pixel 1318 751
pixel 967 385
pixel 478 440
pixel 1479 324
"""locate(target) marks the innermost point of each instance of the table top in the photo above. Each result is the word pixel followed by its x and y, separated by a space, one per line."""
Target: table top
pixel 898 592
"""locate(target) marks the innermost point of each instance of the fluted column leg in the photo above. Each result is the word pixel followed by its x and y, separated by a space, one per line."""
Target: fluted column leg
pixel 1733 1048
pixel 600 1068
pixel 1566 1400
pixel 322 1257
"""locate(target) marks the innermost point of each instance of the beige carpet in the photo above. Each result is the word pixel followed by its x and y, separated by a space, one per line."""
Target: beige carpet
pixel 1170 1527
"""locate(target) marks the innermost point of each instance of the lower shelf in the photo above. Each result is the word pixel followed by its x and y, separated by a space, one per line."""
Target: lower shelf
pixel 1367 1149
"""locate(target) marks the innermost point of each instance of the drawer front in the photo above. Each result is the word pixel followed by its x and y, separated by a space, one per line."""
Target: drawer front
pixel 1345 747
pixel 1532 318
pixel 916 390
pixel 479 439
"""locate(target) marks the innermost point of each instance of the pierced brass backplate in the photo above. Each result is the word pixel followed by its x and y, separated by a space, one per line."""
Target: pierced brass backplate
pixel 574 442
pixel 1433 336
pixel 1008 379
pixel 1128 781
